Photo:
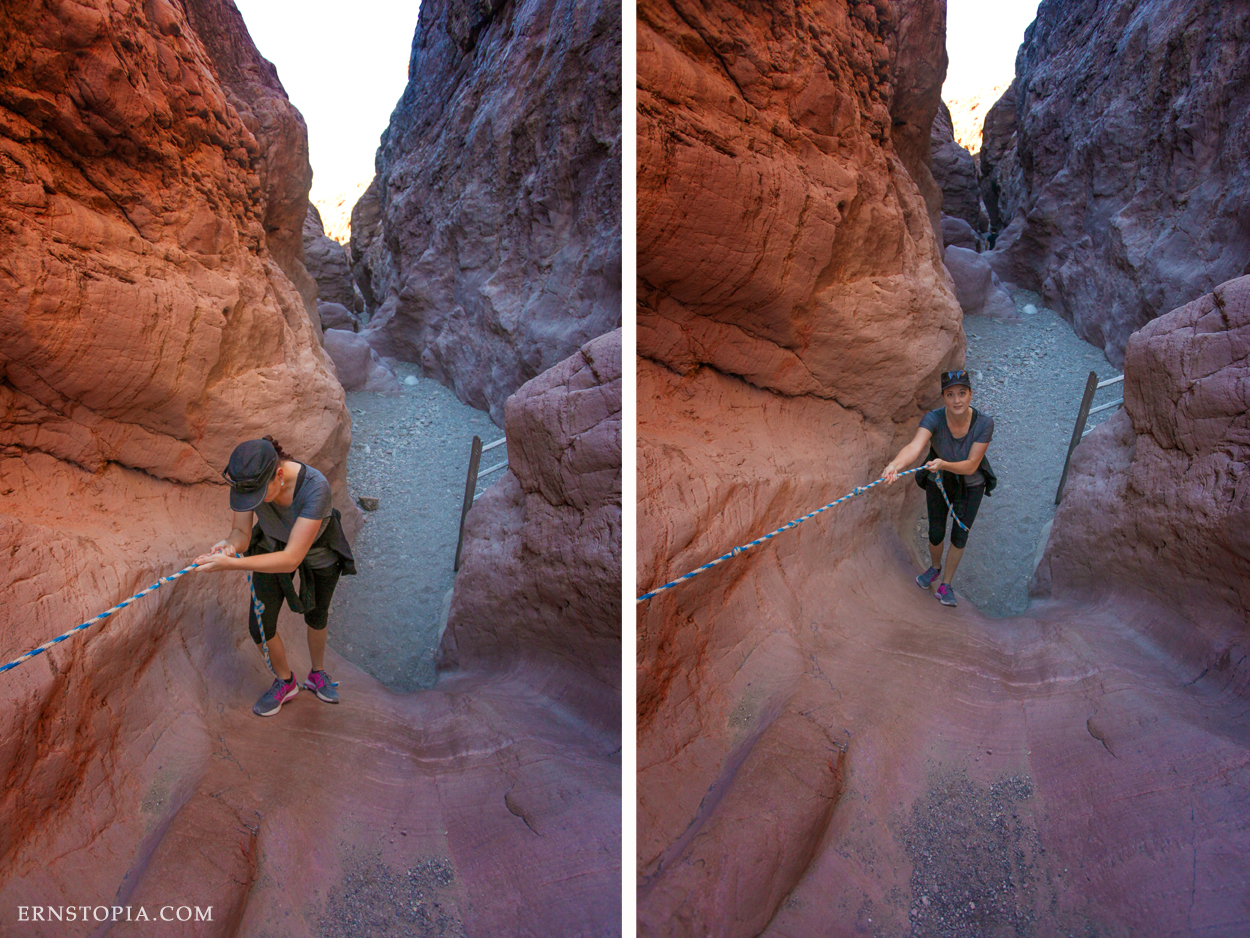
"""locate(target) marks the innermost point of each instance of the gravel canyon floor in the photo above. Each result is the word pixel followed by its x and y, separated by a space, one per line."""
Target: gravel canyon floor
pixel 410 450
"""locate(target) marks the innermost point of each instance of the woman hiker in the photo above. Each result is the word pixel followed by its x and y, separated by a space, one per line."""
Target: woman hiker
pixel 297 529
pixel 956 437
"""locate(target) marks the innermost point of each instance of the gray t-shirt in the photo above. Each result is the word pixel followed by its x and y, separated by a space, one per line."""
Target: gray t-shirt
pixel 311 500
pixel 957 450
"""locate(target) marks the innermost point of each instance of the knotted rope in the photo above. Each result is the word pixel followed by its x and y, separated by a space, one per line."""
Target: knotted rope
pixel 256 604
pixel 785 527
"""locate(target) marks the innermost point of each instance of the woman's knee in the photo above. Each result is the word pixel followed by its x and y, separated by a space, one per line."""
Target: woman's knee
pixel 271 627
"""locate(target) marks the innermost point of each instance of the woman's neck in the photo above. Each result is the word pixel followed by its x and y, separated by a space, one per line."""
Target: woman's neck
pixel 290 475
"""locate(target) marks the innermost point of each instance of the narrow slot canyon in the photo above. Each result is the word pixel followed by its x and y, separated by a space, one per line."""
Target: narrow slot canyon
pixel 822 747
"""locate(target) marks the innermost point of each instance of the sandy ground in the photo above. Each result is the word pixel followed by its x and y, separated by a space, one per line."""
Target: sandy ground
pixel 411 451
pixel 1029 376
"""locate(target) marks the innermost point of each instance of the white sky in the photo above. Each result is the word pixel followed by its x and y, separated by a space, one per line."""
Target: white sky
pixel 982 37
pixel 344 65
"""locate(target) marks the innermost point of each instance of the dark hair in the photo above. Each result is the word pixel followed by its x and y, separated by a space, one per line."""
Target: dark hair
pixel 282 454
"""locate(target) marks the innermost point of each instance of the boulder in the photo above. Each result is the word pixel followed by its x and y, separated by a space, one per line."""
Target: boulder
pixel 357 364
pixel 1158 497
pixel 337 316
pixel 544 542
pixel 498 194
pixel 977 287
pixel 955 231
pixel 1132 192
pixel 955 171
pixel 329 265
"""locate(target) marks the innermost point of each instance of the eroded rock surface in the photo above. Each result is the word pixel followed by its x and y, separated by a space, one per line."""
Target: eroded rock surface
pixel 544 543
pixel 955 171
pixel 823 748
pixel 1158 498
pixel 498 195
pixel 328 263
pixel 154 313
pixel 1130 156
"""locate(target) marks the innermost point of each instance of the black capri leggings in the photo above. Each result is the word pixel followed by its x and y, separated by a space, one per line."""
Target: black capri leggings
pixel 966 499
pixel 269 592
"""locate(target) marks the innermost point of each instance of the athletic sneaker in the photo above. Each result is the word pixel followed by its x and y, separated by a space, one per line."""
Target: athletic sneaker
pixel 946 595
pixel 271 701
pixel 320 684
pixel 925 580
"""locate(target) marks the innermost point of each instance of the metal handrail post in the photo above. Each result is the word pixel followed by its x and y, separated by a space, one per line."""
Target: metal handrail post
pixel 1091 385
pixel 470 486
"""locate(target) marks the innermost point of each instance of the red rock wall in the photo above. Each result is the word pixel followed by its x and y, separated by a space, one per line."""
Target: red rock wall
pixel 1158 497
pixel 793 315
pixel 154 183
pixel 540 576
pixel 1126 193
pixel 495 245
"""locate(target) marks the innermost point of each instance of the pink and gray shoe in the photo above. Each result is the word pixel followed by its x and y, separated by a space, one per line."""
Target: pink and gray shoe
pixel 946 595
pixel 271 701
pixel 320 684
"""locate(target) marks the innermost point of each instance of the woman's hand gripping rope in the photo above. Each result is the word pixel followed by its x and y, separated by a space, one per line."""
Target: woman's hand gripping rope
pixel 891 475
pixel 217 549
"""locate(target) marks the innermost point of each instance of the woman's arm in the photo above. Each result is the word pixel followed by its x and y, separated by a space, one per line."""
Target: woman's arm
pixel 287 560
pixel 907 455
pixel 965 467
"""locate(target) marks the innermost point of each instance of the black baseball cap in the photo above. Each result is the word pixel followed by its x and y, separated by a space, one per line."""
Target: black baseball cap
pixel 952 378
pixel 251 469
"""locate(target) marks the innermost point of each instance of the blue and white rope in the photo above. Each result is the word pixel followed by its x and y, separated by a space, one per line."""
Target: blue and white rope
pixel 785 527
pixel 942 489
pixel 256 604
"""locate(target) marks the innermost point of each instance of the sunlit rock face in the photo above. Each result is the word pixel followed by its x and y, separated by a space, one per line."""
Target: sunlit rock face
pixel 496 249
pixel 823 749
pixel 155 313
pixel 1126 194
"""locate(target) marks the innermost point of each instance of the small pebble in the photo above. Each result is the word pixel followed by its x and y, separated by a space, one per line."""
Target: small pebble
pixel 411 380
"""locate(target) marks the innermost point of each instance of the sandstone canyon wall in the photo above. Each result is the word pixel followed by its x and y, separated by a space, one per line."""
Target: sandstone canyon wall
pixel 793 315
pixel 544 543
pixel 489 245
pixel 155 312
pixel 1126 193
pixel 822 748
pixel 955 171
pixel 1158 499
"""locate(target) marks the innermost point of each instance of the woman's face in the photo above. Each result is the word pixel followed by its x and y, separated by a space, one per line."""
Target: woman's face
pixel 958 399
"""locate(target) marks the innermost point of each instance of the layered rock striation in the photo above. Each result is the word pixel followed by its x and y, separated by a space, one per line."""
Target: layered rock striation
pixel 1125 195
pixel 496 249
